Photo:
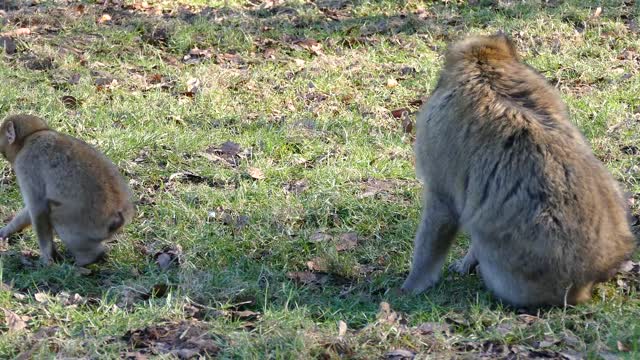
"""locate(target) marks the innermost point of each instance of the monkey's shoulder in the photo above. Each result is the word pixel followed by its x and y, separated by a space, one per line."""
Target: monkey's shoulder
pixel 50 151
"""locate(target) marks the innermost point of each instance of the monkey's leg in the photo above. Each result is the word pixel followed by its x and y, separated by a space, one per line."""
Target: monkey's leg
pixel 467 264
pixel 19 222
pixel 436 232
pixel 44 231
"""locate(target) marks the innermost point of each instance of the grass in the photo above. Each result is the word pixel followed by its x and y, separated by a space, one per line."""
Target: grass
pixel 302 88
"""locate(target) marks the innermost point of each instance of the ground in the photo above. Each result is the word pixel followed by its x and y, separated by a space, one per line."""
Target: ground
pixel 269 146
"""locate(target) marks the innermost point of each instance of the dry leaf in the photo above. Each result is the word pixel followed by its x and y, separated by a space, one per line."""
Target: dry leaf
pixel 83 271
pixel 193 86
pixel 41 297
pixel 8 45
pixel 184 339
pixel 399 113
pixel 70 102
pixel 347 241
pixel 597 12
pixel 433 327
pixel 255 173
pixel 168 256
pixel 342 328
pixel 297 186
pixel 622 347
pixel 104 18
pixel 399 354
pixel 17 32
pixel 14 321
pixel 319 236
pixel 307 277
pixel 317 264
pixel 196 56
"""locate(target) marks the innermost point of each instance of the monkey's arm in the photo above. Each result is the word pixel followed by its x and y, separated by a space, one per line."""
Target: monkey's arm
pixel 19 222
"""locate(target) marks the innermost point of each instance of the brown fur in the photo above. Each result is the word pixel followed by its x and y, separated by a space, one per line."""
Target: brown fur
pixel 501 161
pixel 68 187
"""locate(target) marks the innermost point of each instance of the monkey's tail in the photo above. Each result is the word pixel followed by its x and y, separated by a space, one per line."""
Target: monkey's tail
pixel 121 218
pixel 117 222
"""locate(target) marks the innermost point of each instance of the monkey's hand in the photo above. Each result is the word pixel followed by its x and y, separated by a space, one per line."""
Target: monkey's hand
pixel 5 232
pixel 465 265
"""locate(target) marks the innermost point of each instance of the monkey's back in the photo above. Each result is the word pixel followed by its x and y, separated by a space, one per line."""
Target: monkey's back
pixel 82 183
pixel 495 138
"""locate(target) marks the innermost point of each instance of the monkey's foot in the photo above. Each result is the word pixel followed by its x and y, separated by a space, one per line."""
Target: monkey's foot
pixel 418 284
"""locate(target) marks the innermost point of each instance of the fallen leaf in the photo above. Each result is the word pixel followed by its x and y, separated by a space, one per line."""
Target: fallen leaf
pixel 104 18
pixel 168 256
pixel 407 124
pixel 8 45
pixel 190 338
pixel 399 113
pixel 15 322
pixel 79 9
pixel 74 79
pixel 317 264
pixel 347 241
pixel 229 152
pixel 83 271
pixel 319 236
pixel 391 83
pixel 407 70
pixel 35 63
pixel 342 328
pixel 255 173
pixel 157 291
pixel 307 277
pixel 244 315
pixel 193 86
pixel 69 102
pixel 433 327
pixel 41 297
pixel 547 342
pixel 229 217
pixel 528 318
pixel 105 82
pixel 234 59
pixel 311 45
pixel 597 12
pixel 622 347
pixel 196 56
pixel 419 102
pixel 387 316
pixel 269 53
pixel 399 354
pixel 297 186
pixel 630 149
pixel 17 32
pixel 28 258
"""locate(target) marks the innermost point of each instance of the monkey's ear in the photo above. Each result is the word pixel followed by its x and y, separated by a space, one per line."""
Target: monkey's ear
pixel 10 132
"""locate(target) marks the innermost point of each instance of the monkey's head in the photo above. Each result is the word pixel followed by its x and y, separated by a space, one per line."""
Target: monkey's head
pixel 496 48
pixel 14 130
pixel 88 253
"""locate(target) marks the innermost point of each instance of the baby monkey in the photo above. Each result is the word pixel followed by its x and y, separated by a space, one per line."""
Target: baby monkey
pixel 501 161
pixel 67 187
